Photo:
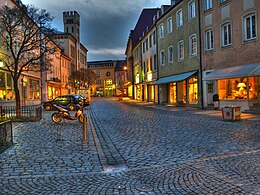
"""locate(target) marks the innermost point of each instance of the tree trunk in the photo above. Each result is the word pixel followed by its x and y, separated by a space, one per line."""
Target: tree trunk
pixel 17 97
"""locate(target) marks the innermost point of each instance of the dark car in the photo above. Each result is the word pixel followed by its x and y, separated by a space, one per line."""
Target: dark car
pixel 72 101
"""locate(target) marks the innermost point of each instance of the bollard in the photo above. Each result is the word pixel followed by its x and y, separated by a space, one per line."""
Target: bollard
pixel 84 127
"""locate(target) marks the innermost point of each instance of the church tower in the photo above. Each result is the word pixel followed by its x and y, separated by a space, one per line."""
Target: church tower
pixel 71 20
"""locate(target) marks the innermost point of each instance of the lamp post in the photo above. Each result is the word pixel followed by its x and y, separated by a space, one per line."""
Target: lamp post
pixel 124 82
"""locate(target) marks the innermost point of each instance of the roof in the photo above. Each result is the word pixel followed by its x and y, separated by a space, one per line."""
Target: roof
pixel 145 20
pixel 120 64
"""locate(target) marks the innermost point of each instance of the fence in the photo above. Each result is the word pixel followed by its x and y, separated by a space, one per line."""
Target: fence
pixel 28 113
pixel 6 135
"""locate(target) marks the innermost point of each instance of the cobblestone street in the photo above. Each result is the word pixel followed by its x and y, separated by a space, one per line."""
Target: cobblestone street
pixel 135 148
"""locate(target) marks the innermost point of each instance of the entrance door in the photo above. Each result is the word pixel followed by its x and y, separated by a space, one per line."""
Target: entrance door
pixel 182 92
pixel 210 92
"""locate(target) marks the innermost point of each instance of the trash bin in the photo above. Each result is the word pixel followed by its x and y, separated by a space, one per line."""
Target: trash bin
pixel 216 101
pixel 231 113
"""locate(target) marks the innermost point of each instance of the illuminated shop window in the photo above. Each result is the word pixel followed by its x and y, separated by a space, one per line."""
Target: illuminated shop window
pixel 238 88
pixel 173 92
pixel 34 86
pixel 6 87
pixel 109 82
pixel 193 90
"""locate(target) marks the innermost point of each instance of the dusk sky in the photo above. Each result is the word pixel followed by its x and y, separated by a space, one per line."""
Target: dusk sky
pixel 105 24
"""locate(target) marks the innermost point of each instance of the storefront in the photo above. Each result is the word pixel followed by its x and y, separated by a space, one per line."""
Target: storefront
pixel 6 87
pixel 109 88
pixel 29 88
pixel 238 86
pixel 54 90
pixel 181 89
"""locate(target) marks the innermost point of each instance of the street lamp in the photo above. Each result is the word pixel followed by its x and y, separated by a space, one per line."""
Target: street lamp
pixel 124 82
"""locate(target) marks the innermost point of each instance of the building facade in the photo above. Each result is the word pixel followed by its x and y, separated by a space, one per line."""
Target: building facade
pixel 178 54
pixel 32 84
pixel 105 84
pixel 149 64
pixel 144 23
pixel 121 82
pixel 230 44
pixel 129 65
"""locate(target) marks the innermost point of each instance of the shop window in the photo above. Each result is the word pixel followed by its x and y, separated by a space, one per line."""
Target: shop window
pixel 253 87
pixel 6 87
pixel 34 87
pixel 193 90
pixel 2 80
pixel 173 92
pixel 238 88
pixel 109 82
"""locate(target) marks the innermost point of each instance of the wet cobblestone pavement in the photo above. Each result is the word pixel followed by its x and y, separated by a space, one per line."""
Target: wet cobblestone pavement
pixel 135 148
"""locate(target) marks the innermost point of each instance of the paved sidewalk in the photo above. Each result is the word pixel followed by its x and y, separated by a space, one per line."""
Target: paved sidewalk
pixel 134 148
pixel 193 110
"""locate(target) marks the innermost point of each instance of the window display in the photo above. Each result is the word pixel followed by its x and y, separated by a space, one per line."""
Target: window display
pixel 238 88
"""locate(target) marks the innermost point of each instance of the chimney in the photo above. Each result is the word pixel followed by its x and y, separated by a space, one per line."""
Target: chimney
pixel 173 2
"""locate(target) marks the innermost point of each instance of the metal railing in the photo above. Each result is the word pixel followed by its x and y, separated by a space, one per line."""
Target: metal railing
pixel 28 113
pixel 6 135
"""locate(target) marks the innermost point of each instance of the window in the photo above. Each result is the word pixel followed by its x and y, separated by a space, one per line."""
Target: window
pixel 162 58
pixel 193 45
pixel 146 44
pixel 150 40
pixel 151 64
pixel 161 31
pixel 192 10
pixel 180 51
pixel 109 82
pixel 34 89
pixel 250 27
pixel 143 47
pixel 209 41
pixel 226 34
pixel 179 19
pixel 193 90
pixel 170 54
pixel 207 4
pixel 155 62
pixel 154 37
pixel 169 25
pixel 222 1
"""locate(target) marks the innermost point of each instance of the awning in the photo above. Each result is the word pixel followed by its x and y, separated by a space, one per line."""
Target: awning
pixel 234 72
pixel 175 78
pixel 257 72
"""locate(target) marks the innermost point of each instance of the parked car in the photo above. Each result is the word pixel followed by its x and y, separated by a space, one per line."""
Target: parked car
pixel 71 100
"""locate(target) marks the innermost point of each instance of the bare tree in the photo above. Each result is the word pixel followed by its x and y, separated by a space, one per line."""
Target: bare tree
pixel 83 79
pixel 24 43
